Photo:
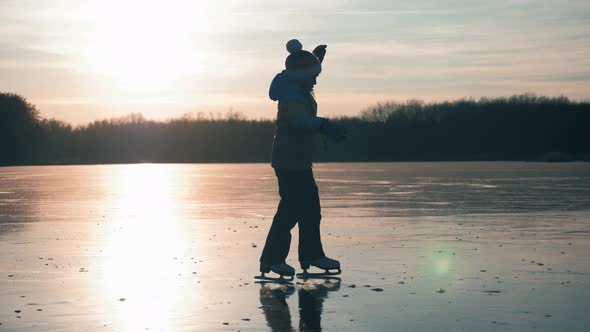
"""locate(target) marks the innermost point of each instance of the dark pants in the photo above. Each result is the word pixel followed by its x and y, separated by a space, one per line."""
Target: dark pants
pixel 300 202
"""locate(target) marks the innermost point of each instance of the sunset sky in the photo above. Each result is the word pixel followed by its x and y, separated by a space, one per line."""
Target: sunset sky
pixel 84 60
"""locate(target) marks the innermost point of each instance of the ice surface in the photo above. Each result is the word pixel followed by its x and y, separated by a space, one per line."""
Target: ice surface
pixel 174 247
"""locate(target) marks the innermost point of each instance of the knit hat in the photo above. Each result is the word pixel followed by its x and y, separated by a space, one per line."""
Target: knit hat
pixel 301 63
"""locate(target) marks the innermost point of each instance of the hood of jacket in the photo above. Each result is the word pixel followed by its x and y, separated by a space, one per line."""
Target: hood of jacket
pixel 283 88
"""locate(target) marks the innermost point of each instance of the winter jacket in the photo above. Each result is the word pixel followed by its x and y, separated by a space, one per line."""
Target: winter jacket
pixel 296 125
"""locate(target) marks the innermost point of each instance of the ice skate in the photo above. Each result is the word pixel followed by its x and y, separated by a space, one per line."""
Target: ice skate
pixel 324 263
pixel 282 269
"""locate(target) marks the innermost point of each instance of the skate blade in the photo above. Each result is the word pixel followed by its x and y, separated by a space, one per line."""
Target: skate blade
pixel 277 280
pixel 281 280
pixel 319 275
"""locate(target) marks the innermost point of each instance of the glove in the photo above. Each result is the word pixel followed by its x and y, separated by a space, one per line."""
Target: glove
pixel 320 52
pixel 332 130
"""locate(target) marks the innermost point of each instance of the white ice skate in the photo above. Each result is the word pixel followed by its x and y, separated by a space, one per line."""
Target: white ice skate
pixel 282 269
pixel 323 263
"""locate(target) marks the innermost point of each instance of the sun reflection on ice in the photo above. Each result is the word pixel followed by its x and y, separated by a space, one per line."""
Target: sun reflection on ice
pixel 142 262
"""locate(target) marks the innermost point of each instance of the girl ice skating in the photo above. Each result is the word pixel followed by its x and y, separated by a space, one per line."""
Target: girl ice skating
pixel 297 124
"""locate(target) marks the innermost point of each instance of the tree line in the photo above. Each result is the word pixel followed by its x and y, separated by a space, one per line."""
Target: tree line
pixel 520 127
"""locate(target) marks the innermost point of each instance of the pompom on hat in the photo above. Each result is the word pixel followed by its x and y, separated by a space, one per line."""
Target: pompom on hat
pixel 294 45
pixel 301 63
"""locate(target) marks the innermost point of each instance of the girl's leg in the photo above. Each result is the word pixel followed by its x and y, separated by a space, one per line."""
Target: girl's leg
pixel 310 243
pixel 278 240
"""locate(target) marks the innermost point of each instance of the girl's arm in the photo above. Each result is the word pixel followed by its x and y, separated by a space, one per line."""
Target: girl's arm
pixel 294 114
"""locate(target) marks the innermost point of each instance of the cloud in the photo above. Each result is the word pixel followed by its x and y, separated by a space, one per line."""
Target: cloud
pixel 376 49
pixel 13 56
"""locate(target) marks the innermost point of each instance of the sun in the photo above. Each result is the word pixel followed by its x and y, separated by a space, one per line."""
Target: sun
pixel 144 46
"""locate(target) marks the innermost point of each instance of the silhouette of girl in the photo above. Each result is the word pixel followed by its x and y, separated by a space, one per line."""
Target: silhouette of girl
pixel 297 124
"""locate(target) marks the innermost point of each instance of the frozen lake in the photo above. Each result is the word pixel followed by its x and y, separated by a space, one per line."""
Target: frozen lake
pixel 173 247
